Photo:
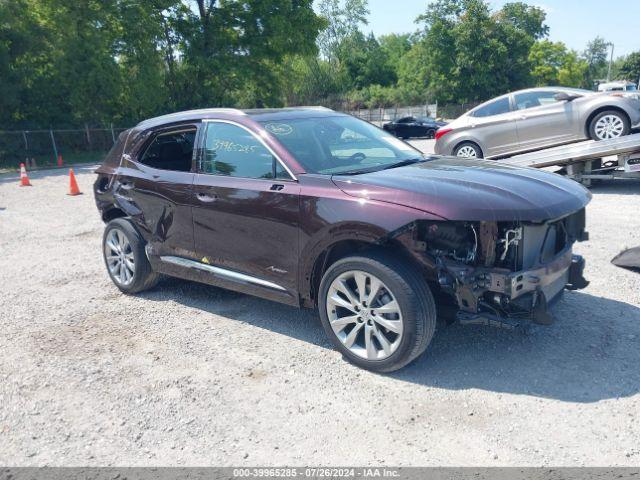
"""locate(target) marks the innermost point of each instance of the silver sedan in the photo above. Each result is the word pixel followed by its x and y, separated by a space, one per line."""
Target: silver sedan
pixel 538 118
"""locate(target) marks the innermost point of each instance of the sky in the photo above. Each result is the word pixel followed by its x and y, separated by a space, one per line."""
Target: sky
pixel 573 22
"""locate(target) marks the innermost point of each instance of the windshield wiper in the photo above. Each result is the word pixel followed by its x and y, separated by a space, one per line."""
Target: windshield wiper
pixel 358 171
pixel 404 163
pixel 377 168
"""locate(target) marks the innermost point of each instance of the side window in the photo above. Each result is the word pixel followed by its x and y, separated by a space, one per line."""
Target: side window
pixel 233 151
pixel 170 151
pixel 534 99
pixel 494 108
pixel 407 120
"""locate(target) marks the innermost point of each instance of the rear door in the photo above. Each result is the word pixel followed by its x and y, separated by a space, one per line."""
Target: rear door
pixel 246 213
pixel 494 127
pixel 542 120
pixel 156 186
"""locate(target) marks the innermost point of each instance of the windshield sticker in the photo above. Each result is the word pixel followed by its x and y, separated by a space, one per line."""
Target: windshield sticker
pixel 397 143
pixel 279 128
pixel 229 146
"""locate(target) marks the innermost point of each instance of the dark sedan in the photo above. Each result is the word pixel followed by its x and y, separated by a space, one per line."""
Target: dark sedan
pixel 409 127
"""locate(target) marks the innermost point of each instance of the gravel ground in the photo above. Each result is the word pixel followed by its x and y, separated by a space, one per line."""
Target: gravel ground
pixel 194 375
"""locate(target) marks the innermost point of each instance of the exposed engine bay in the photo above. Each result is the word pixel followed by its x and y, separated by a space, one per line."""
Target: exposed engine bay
pixel 501 272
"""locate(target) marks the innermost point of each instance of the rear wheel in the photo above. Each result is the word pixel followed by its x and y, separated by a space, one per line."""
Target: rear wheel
pixel 377 311
pixel 609 124
pixel 125 258
pixel 468 150
pixel 431 133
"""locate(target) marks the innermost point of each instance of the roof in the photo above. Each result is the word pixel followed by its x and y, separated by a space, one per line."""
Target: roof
pixel 259 114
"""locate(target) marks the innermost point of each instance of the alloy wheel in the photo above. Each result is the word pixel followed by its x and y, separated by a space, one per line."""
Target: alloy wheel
pixel 119 256
pixel 364 315
pixel 609 126
pixel 467 151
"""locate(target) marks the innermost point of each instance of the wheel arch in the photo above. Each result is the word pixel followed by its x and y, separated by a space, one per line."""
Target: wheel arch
pixel 311 273
pixel 112 213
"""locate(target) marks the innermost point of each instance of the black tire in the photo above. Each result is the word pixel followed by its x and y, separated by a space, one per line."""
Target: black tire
pixel 412 294
pixel 431 133
pixel 143 277
pixel 626 124
pixel 474 146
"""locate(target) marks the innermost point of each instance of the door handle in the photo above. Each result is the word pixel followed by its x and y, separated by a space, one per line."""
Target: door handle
pixel 204 197
pixel 126 185
pixel 276 187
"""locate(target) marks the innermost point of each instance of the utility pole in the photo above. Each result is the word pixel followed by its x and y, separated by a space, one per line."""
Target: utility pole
pixel 610 63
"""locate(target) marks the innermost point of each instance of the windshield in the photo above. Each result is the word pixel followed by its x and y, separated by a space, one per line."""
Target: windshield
pixel 341 145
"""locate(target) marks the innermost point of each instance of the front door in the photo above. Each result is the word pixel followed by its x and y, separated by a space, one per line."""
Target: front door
pixel 246 213
pixel 542 120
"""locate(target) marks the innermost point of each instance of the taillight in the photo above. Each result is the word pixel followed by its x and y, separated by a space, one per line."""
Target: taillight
pixel 442 132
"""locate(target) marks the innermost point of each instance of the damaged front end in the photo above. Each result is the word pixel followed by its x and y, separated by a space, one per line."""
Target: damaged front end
pixel 502 273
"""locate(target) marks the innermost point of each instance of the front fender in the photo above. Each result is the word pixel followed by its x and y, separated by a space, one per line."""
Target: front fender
pixel 327 222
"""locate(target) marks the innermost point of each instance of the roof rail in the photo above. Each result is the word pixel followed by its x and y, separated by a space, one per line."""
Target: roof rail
pixel 198 111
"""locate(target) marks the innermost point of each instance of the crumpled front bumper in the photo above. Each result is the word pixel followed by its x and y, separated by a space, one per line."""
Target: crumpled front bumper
pixel 489 295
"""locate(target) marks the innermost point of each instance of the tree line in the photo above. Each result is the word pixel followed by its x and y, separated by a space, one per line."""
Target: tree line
pixel 69 63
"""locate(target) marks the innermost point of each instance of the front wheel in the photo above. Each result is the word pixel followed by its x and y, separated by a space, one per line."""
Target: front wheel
pixel 125 258
pixel 377 310
pixel 609 124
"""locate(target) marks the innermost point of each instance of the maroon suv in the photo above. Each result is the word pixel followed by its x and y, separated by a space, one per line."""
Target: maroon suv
pixel 314 208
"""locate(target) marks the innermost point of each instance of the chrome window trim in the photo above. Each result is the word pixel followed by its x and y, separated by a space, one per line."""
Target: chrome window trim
pixel 221 272
pixel 264 144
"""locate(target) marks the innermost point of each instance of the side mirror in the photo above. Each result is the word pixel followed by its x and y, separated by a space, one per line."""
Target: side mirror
pixel 565 97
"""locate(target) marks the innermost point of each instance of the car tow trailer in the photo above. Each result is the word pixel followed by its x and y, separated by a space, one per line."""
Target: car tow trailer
pixel 587 161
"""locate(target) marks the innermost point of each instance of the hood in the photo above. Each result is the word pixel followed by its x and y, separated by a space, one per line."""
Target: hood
pixel 473 190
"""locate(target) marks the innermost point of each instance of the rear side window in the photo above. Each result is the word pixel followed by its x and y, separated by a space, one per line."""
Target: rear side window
pixel 496 107
pixel 170 151
pixel 233 151
pixel 115 154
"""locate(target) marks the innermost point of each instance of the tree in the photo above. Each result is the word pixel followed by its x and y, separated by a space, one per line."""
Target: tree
pixel 232 49
pixel 473 53
pixel 526 18
pixel 343 18
pixel 553 64
pixel 365 62
pixel 415 75
pixel 395 46
pixel 630 68
pixel 596 57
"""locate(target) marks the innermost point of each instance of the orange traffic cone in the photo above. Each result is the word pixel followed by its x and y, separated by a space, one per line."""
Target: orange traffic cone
pixel 24 178
pixel 73 185
pixel 60 163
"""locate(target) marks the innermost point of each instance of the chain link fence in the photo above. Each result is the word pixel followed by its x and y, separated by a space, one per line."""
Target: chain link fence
pixel 386 114
pixel 41 148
